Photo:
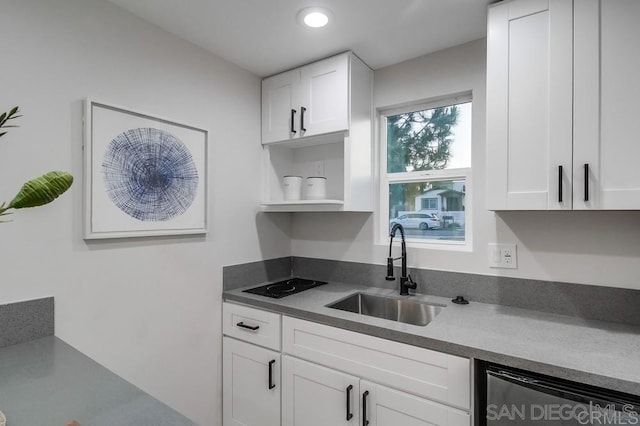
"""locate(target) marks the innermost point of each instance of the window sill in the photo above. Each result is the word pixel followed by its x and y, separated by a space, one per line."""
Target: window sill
pixel 453 246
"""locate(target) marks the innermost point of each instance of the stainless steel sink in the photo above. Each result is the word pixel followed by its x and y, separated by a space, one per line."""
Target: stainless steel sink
pixel 391 308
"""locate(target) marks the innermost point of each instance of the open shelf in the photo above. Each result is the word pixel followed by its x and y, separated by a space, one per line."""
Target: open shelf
pixel 303 206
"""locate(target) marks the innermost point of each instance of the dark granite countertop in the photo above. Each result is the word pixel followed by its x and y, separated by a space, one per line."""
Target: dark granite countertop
pixel 598 353
pixel 46 382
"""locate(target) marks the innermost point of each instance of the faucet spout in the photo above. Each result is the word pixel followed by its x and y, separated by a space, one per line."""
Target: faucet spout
pixel 406 282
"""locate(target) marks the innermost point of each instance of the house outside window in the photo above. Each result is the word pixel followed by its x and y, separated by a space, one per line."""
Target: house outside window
pixel 425 170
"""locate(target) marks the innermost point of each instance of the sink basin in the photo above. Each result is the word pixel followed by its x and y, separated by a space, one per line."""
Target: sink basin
pixel 391 308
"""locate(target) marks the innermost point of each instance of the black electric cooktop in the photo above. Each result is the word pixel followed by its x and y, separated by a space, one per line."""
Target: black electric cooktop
pixel 285 288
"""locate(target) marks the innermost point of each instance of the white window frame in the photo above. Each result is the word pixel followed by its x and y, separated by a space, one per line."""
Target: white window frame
pixel 422 176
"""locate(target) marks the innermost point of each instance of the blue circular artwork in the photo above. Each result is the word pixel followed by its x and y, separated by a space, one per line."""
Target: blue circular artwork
pixel 149 174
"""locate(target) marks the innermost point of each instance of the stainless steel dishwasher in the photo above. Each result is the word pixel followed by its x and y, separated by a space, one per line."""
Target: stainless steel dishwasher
pixel 514 397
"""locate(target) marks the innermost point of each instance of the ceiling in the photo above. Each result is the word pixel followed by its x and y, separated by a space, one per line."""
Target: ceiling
pixel 264 37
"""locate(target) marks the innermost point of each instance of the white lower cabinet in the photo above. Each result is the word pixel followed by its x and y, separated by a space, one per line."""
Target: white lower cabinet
pixel 326 376
pixel 432 375
pixel 251 384
pixel 313 395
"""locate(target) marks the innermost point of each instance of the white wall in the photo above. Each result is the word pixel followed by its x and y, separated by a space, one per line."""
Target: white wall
pixel 148 309
pixel 583 247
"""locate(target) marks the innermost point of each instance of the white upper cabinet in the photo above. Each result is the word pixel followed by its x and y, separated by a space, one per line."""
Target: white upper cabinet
pixel 607 89
pixel 308 101
pixel 280 99
pixel 529 101
pixel 561 95
pixel 317 121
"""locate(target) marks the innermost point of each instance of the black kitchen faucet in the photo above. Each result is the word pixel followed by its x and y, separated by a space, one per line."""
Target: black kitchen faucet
pixel 406 282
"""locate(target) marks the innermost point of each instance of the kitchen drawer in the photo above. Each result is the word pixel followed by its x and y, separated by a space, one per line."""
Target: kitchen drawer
pixel 423 372
pixel 251 325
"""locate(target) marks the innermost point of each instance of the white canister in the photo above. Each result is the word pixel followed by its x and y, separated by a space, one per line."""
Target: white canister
pixel 316 188
pixel 292 188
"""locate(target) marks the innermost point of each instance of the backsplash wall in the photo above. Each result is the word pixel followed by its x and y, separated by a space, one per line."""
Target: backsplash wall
pixel 27 320
pixel 581 301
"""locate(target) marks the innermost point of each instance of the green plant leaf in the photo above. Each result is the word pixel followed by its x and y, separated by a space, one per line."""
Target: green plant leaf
pixel 5 214
pixel 42 190
pixel 11 115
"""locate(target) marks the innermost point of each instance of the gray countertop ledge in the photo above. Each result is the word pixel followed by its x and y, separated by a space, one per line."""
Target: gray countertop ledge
pixel 597 353
pixel 46 382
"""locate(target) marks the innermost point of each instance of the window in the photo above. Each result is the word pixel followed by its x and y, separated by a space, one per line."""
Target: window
pixel 429 204
pixel 425 169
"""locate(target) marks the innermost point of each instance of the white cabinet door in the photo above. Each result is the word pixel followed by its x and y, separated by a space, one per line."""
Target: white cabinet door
pixel 607 89
pixel 251 385
pixel 324 96
pixel 280 107
pixel 382 406
pixel 317 396
pixel 529 105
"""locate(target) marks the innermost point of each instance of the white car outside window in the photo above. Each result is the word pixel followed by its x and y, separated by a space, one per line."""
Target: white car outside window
pixel 423 221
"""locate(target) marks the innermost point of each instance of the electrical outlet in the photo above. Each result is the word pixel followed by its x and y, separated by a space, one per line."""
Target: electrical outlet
pixel 503 256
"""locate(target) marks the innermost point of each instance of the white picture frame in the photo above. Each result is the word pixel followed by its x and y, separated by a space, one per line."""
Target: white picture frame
pixel 143 175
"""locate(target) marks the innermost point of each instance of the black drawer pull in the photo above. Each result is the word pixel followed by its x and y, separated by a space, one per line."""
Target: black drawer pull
pixel 248 327
pixel 349 413
pixel 586 182
pixel 302 111
pixel 365 422
pixel 293 117
pixel 560 184
pixel 271 384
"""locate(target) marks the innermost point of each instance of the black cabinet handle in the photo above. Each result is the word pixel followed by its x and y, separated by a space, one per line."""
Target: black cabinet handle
pixel 559 184
pixel 349 413
pixel 248 327
pixel 365 422
pixel 302 111
pixel 271 384
pixel 293 117
pixel 586 182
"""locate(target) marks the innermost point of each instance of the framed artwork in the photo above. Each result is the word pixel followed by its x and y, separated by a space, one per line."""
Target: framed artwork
pixel 143 175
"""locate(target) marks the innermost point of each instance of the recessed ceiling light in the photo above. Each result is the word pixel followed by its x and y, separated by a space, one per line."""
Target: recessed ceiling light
pixel 314 17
